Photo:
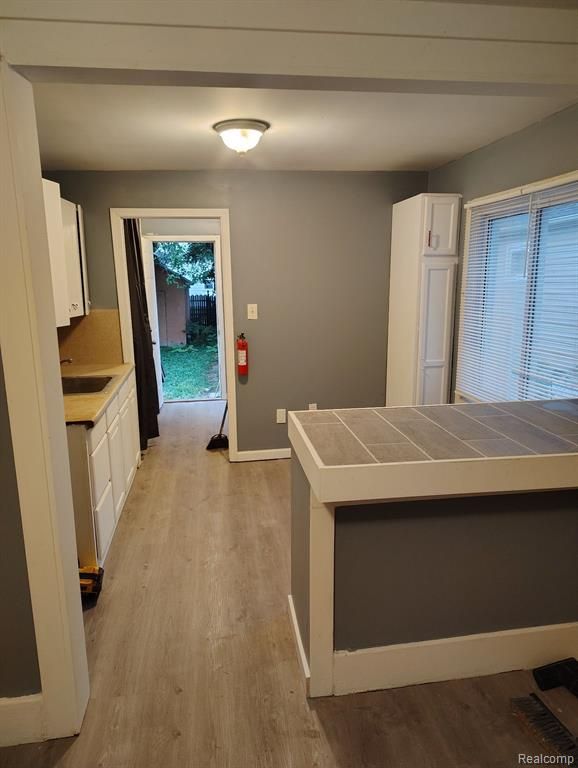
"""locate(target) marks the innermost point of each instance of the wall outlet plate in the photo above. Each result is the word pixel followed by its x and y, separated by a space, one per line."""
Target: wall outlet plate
pixel 281 416
pixel 312 406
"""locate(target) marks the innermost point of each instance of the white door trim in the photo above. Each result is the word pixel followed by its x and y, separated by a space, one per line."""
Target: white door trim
pixel 216 240
pixel 151 294
pixel 36 413
pixel 222 214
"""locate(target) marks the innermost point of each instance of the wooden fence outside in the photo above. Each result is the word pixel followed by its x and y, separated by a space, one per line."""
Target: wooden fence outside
pixel 203 310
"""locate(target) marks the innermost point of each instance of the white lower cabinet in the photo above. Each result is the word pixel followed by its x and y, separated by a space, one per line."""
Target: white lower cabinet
pixel 116 454
pixel 99 465
pixel 104 521
pixel 103 463
pixel 127 442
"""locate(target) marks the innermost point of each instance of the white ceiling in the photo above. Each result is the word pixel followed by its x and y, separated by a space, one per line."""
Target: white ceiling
pixel 128 127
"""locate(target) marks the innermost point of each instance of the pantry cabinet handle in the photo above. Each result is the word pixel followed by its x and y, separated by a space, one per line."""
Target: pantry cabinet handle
pixel 429 239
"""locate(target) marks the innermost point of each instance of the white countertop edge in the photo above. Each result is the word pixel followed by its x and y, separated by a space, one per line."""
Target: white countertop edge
pixel 423 479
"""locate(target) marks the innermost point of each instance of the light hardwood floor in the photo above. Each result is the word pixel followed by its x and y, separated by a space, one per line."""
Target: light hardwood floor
pixel 192 659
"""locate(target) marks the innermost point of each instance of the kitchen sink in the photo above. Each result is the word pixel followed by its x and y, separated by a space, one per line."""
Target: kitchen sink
pixel 80 385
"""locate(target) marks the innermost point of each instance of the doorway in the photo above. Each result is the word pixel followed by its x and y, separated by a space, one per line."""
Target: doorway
pixel 160 224
pixel 183 279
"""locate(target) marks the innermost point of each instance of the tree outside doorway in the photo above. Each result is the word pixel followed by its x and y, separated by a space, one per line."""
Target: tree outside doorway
pixel 186 300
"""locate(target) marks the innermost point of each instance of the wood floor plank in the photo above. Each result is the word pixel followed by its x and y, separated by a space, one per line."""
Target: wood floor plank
pixel 191 653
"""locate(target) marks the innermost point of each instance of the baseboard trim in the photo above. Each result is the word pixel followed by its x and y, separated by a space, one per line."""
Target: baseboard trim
pixel 453 658
pixel 265 455
pixel 298 640
pixel 21 720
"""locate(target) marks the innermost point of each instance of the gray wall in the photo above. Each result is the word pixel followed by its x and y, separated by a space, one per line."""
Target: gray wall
pixel 311 249
pixel 420 570
pixel 19 674
pixel 547 148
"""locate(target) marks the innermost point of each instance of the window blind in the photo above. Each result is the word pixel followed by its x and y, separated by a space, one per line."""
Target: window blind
pixel 519 324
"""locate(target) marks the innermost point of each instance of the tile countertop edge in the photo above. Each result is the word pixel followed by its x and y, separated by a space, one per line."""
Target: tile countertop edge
pixel 93 405
pixel 414 480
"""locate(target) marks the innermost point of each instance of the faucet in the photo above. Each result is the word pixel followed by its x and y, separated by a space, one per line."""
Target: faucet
pixel 66 360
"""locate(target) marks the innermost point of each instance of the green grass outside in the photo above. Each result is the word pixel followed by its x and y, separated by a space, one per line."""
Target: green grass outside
pixel 191 372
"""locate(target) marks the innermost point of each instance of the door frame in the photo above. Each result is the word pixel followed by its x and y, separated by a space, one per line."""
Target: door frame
pixel 153 312
pixel 216 240
pixel 35 403
pixel 117 216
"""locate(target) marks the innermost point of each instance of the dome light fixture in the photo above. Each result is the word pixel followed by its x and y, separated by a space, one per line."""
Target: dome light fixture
pixel 241 135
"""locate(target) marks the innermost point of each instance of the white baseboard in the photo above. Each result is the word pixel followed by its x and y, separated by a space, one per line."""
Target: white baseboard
pixel 298 639
pixel 453 658
pixel 270 453
pixel 21 720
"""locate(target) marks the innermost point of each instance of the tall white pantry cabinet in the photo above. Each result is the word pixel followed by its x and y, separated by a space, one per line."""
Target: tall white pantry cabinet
pixel 422 286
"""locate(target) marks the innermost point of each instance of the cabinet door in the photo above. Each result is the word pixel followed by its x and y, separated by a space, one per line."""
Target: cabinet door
pixel 55 234
pixel 104 522
pixel 99 470
pixel 117 475
pixel 441 219
pixel 73 259
pixel 127 443
pixel 436 330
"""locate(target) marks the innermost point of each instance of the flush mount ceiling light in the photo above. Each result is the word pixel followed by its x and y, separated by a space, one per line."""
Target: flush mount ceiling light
pixel 241 135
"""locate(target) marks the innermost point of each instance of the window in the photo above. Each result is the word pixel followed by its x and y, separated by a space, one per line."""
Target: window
pixel 519 324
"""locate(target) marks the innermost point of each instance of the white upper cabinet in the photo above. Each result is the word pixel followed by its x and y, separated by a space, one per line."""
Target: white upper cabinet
pixel 422 286
pixel 55 234
pixel 78 302
pixel 440 225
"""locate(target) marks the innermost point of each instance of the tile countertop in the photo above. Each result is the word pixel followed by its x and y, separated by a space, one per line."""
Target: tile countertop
pixel 436 450
pixel 88 408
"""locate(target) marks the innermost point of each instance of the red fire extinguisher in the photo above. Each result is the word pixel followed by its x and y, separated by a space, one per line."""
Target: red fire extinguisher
pixel 242 355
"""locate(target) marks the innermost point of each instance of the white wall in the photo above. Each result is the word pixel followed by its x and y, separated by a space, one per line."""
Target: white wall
pixel 471 47
pixel 178 227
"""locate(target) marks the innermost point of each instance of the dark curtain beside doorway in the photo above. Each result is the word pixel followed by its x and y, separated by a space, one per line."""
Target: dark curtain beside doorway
pixel 146 380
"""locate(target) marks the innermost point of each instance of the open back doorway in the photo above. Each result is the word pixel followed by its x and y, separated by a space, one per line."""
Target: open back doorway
pixel 184 295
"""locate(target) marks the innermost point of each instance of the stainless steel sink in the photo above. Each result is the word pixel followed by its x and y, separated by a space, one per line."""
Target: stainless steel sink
pixel 80 385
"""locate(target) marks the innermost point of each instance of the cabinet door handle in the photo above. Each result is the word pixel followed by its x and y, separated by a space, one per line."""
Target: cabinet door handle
pixel 429 238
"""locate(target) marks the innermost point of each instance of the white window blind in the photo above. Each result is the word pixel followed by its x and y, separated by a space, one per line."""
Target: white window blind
pixel 519 324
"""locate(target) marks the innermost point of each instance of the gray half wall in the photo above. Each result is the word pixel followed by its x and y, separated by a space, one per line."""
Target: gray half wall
pixel 310 248
pixel 420 570
pixel 19 673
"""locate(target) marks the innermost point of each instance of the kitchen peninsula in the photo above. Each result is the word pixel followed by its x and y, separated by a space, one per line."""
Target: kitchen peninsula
pixel 433 542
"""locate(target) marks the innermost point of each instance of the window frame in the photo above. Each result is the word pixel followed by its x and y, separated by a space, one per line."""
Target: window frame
pixel 532 268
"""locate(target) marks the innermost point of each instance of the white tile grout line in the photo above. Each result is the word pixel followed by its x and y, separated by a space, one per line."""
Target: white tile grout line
pixel 452 434
pixel 527 423
pixel 358 440
pixel 549 413
pixel 406 439
pixel 547 410
pixel 472 418
pixel 492 429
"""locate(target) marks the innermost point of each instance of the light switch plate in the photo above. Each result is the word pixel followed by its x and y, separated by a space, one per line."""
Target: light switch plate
pixel 281 415
pixel 252 312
